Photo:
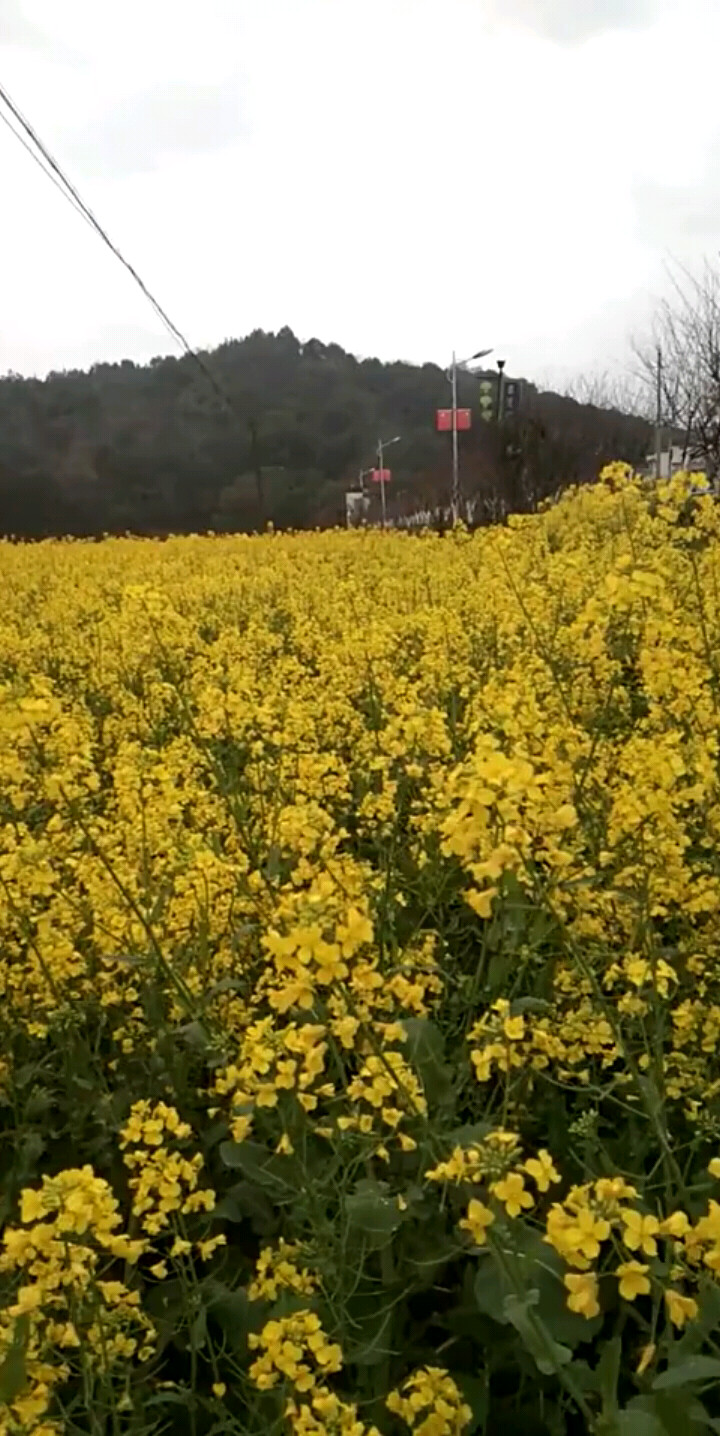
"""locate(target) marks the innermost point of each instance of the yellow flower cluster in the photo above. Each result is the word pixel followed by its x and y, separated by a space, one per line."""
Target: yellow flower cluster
pixel 354 840
pixel 273 1061
pixel 163 1181
pixel 597 1221
pixel 293 1349
pixel 497 1161
pixel 326 1415
pixel 492 1157
pixel 277 1271
pixel 430 1404
pixel 573 1033
pixel 385 1090
pixel 65 1311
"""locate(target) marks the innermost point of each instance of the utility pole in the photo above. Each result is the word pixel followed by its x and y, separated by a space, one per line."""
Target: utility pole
pixel 382 483
pixel 384 444
pixel 659 418
pixel 455 493
pixel 452 375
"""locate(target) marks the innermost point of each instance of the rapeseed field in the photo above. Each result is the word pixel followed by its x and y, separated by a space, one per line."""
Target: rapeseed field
pixel 360 978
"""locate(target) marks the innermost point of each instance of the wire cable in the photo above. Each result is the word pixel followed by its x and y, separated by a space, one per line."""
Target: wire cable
pixel 54 172
pixel 43 167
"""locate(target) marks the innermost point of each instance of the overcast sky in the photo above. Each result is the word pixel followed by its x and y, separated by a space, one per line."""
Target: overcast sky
pixel 401 176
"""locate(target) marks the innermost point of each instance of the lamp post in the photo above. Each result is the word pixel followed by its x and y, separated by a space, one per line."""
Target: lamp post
pixel 452 374
pixel 384 444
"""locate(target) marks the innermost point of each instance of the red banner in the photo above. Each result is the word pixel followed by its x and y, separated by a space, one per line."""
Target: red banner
pixel 445 420
pixel 381 476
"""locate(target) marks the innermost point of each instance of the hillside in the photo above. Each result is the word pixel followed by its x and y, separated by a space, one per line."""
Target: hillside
pixel 153 449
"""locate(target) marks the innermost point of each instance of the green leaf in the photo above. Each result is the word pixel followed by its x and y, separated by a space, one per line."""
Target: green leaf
pixel 198 1331
pixel 274 863
pixel 371 1212
pixel 696 1368
pixel 427 1251
pixel 231 1310
pixel 665 1414
pixel 371 1344
pixel 534 1005
pixel 232 1154
pixel 490 1289
pixel 549 1355
pixel 636 1423
pixel 677 1411
pixel 425 1049
pixel 540 1268
pixel 13 1376
pixel 177 1398
pixel 261 1166
pixel 194 1035
pixel 229 1210
pixel 41 1101
pixel 476 1392
pixel 608 1371
pixel 165 1303
pixel 255 1203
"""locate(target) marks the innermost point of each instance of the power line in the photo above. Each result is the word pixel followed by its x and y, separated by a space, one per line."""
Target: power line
pixel 55 173
pixel 42 167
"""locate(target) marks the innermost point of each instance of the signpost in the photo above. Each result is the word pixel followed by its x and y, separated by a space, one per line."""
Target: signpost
pixel 444 421
pixel 454 426
pixel 381 475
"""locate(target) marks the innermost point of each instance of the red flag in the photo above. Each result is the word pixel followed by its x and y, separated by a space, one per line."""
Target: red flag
pixel 445 420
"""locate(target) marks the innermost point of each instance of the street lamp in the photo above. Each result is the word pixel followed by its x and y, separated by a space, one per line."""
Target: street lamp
pixel 451 375
pixel 382 445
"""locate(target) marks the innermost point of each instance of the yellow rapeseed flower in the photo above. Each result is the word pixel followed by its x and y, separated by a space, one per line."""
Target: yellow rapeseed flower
pixel 511 1191
pixel 633 1279
pixel 476 1221
pixel 680 1308
pixel 583 1293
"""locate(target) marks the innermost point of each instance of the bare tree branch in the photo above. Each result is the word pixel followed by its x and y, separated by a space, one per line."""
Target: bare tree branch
pixel 625 393
pixel 686 331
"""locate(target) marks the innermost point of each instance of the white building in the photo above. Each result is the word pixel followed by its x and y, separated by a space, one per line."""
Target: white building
pixel 357 504
pixel 672 461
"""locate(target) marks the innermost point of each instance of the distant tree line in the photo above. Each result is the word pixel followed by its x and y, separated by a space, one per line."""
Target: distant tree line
pixel 153 449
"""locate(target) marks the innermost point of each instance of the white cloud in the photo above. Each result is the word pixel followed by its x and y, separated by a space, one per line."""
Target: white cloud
pixel 571 21
pixel 404 176
pixel 145 129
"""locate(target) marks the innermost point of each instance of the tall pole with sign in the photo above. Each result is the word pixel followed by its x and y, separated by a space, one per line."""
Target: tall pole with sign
pixel 382 474
pixel 452 375
pixel 455 493
pixel 381 470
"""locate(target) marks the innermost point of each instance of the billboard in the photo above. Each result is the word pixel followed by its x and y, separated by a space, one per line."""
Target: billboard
pixel 444 420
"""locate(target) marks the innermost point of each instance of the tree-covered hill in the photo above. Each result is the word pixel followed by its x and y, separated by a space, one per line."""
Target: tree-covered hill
pixel 153 448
